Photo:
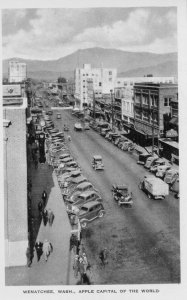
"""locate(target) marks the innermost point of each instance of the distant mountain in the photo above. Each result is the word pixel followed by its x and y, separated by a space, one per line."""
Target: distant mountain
pixel 108 58
pixel 169 68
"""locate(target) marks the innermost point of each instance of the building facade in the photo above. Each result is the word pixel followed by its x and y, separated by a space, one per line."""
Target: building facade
pixel 17 72
pixel 102 81
pixel 152 102
pixel 15 176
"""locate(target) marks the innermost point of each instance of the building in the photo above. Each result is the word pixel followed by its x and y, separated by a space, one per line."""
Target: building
pixel 101 79
pixel 130 81
pixel 15 174
pixel 17 72
pixel 152 106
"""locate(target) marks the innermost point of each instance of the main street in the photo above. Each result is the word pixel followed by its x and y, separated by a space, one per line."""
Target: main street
pixel 143 241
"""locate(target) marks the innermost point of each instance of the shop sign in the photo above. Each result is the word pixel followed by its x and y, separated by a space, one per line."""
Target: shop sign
pixel 11 90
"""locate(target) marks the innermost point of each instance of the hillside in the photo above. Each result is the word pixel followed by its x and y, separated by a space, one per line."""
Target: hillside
pixel 125 62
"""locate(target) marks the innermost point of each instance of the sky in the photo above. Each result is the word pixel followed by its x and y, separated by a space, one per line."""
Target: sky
pixel 49 34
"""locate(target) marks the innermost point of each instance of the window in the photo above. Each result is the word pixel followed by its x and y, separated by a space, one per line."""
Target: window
pixel 110 72
pixel 166 102
pixel 145 116
pixel 145 99
pixel 110 79
pixel 127 106
pixel 100 84
pixel 138 114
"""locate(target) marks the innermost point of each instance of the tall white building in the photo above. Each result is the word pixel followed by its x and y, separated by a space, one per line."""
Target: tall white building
pixel 102 79
pixel 17 71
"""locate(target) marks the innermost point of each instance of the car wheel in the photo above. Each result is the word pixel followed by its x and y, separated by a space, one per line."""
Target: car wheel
pixel 84 224
pixel 149 196
pixel 101 214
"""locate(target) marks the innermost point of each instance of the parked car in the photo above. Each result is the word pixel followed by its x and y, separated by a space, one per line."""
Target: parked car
pixel 121 142
pixel 143 158
pixel 97 163
pixel 71 187
pixel 86 126
pixel 89 212
pixel 81 188
pixel 154 187
pixel 150 161
pixel 114 137
pixel 156 163
pixel 104 131
pixel 170 176
pixel 81 199
pixel 161 171
pixel 62 156
pixel 127 145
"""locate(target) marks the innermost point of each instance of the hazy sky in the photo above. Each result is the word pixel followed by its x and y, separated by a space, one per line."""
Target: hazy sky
pixel 53 33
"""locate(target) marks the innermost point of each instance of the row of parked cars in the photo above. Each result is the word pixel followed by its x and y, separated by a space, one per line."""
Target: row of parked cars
pixel 119 140
pixel 83 201
pixel 161 169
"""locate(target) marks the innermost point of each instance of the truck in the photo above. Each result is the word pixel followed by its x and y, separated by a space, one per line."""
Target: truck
pixel 154 187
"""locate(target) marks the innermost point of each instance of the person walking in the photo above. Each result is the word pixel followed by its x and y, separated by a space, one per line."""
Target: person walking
pixel 73 243
pixel 76 266
pixel 40 208
pixel 50 217
pixel 85 261
pixel 103 256
pixel 30 256
pixel 38 247
pixel 45 216
pixel 44 198
pixel 47 249
pixel 81 268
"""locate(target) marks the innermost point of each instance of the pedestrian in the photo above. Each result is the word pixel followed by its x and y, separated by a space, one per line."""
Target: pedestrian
pixel 76 265
pixel 103 256
pixel 45 216
pixel 47 249
pixel 85 261
pixel 85 279
pixel 44 197
pixel 30 255
pixel 38 247
pixel 50 217
pixel 40 208
pixel 81 268
pixel 73 243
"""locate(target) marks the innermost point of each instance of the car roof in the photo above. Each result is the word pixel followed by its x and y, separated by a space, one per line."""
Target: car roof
pixel 91 203
pixel 87 193
pixel 78 179
pixel 121 186
pixel 84 184
pixel 97 157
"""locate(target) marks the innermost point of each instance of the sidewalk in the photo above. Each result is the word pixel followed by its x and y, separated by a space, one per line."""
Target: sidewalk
pixel 58 269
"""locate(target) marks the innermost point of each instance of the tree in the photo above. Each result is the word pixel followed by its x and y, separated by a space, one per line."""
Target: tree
pixel 62 80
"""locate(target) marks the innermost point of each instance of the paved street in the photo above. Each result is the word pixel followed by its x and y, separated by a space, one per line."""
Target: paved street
pixel 143 241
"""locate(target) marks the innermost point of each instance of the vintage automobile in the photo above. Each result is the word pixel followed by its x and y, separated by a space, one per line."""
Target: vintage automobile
pixel 67 190
pixel 104 131
pixel 143 158
pixel 81 199
pixel 89 212
pixel 97 162
pixel 156 164
pixel 86 126
pixel 81 188
pixel 170 176
pixel 150 161
pixel 154 187
pixel 62 156
pixel 78 127
pixel 161 170
pixel 122 142
pixel 66 127
pixel 58 116
pixel 127 145
pixel 114 137
pixel 122 195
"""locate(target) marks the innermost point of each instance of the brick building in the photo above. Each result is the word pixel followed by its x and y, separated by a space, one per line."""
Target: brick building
pixel 152 103
pixel 15 176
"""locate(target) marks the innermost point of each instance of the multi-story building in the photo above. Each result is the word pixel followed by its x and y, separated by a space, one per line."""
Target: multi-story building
pixel 152 102
pixel 103 80
pixel 17 72
pixel 15 175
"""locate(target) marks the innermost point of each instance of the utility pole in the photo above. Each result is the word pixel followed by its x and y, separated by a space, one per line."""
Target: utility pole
pixel 111 91
pixel 153 132
pixel 93 104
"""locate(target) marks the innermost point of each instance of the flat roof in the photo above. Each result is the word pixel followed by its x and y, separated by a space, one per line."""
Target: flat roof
pixel 91 203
